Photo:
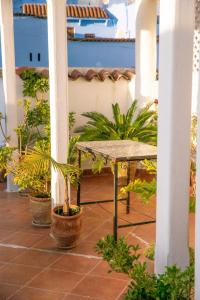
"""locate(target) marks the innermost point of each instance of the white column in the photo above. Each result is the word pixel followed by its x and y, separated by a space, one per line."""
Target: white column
pixel 57 39
pixel 9 76
pixel 174 114
pixel 197 215
pixel 196 99
pixel 145 52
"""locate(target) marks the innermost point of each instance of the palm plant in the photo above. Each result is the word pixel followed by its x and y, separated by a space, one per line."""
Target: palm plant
pixel 136 124
pixel 38 162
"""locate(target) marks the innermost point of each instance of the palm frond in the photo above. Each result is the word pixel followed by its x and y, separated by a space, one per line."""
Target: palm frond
pixel 40 162
pixel 140 125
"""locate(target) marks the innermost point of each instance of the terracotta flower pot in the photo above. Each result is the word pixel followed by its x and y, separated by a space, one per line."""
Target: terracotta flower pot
pixel 41 211
pixel 65 230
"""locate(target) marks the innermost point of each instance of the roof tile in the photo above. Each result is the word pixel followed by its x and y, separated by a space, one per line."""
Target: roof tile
pixel 90 74
pixel 73 11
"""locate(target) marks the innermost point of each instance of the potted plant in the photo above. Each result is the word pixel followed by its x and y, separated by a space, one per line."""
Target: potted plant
pixel 37 184
pixel 66 218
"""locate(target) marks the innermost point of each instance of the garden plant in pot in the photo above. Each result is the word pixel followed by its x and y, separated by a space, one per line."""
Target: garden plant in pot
pixel 66 218
pixel 37 184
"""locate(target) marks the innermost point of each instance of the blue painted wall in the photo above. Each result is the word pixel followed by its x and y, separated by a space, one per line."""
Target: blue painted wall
pixel 31 37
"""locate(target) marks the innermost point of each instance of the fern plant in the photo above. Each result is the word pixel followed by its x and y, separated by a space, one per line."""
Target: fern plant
pixel 136 124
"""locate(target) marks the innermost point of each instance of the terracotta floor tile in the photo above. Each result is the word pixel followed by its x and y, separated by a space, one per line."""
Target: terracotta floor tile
pixel 29 228
pixel 77 264
pixel 46 243
pixel 17 274
pixel 25 239
pixel 7 290
pixel 146 232
pixel 4 234
pixel 95 286
pixel 56 280
pixel 103 270
pixel 79 297
pixel 36 258
pixel 86 248
pixel 7 254
pixel 36 294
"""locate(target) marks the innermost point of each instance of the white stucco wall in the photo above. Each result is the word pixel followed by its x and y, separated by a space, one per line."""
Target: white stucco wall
pixel 86 96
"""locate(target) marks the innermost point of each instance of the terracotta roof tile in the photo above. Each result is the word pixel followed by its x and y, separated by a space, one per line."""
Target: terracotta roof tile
pixel 73 11
pixel 102 39
pixel 90 74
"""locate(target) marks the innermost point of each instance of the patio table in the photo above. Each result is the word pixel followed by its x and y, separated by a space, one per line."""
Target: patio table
pixel 116 151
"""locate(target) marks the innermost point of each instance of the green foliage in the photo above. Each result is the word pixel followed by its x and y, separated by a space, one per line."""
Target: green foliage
pixel 142 286
pixel 35 124
pixel 174 284
pixel 142 187
pixel 36 184
pixel 5 157
pixel 33 170
pixel 150 166
pixel 150 252
pixel 98 164
pixel 72 120
pixel 139 125
pixel 119 255
pixel 192 204
pixel 33 83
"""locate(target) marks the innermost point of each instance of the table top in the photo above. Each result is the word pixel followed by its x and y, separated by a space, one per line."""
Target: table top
pixel 119 150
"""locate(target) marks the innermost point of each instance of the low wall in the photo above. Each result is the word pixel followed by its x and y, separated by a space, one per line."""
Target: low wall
pixel 85 96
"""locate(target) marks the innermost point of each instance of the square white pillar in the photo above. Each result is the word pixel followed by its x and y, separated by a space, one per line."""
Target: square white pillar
pixel 174 119
pixel 146 50
pixel 9 76
pixel 58 78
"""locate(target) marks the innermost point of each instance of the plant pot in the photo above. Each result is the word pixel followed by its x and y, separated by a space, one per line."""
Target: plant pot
pixel 41 211
pixel 65 230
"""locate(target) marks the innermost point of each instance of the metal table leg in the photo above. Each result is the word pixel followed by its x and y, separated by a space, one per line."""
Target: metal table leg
pixel 128 196
pixel 79 180
pixel 115 219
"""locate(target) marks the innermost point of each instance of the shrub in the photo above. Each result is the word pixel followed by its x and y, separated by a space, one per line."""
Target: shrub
pixel 174 284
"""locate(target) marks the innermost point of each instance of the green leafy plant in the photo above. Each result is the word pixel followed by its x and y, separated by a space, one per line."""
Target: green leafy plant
pixel 136 124
pixel 174 284
pixel 35 124
pixel 119 255
pixel 37 163
pixel 150 252
pixel 145 189
pixel 34 83
pixel 5 156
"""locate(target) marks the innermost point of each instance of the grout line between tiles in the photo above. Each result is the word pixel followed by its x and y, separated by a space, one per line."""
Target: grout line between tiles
pixel 122 292
pixel 49 251
pixel 139 238
pixel 29 281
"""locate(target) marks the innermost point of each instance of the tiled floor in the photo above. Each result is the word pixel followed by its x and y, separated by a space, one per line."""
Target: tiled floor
pixel 31 268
